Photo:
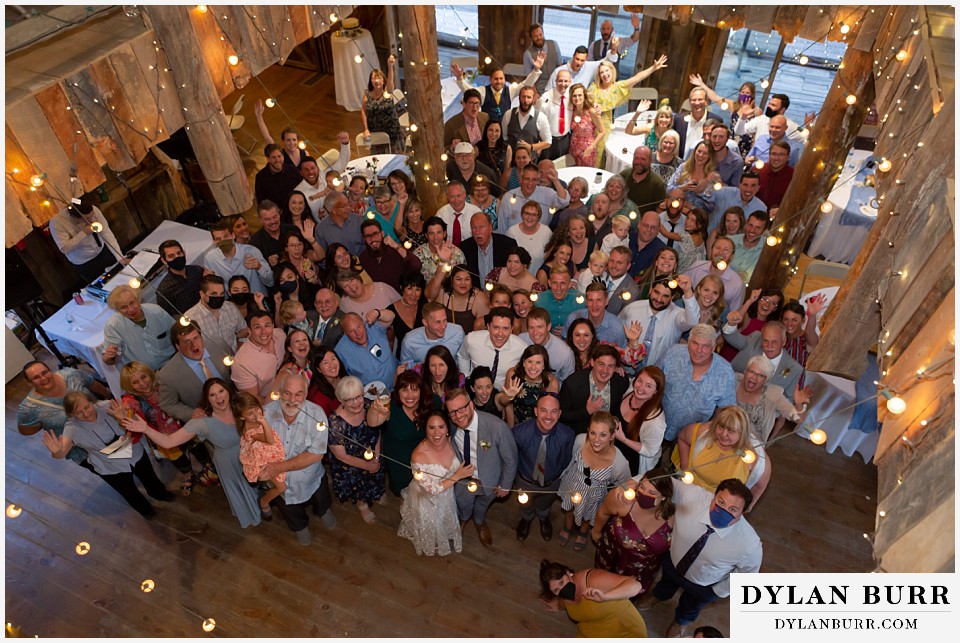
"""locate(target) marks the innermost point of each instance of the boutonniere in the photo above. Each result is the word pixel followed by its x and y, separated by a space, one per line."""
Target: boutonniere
pixel 786 372
pixel 484 444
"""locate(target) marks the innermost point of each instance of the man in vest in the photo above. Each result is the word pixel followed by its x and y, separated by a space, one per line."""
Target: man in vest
pixel 549 48
pixel 526 126
pixel 493 101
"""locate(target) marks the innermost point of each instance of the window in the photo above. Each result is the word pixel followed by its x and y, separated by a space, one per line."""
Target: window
pixel 572 27
pixel 749 56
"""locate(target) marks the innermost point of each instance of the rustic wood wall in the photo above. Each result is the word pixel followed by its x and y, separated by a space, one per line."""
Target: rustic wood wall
pixel 503 31
pixel 104 93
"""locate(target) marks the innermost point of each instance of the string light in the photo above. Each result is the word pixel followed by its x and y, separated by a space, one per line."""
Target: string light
pixel 487 60
pixel 147 586
pixel 625 296
pixel 576 498
pixel 184 320
pixel 358 58
pixel 472 486
pixel 804 60
pixel 826 207
pixel 672 284
pixel 82 548
pixel 270 102
pixel 444 157
pixel 228 360
pixel 274 395
pixel 368 454
pixel 321 426
pixel 884 165
pixel 724 105
pixel 513 199
pixel 718 185
pixel 896 405
pixel 629 494
pixel 687 477
pixel 759 164
pixel 134 283
pixel 413 127
pixel 233 59
pixel 851 99
pixel 591 217
pixel 844 28
pixel 407 244
pixel 580 299
pixel 764 83
pixel 523 498
pixel 901 55
pixel 13 511
pixel 209 625
pixel 675 203
pixel 721 265
pixel 818 436
pixel 748 456
pixel 534 297
pixel 632 215
pixel 96 226
pixel 38 180
pixel 488 285
pixel 202 8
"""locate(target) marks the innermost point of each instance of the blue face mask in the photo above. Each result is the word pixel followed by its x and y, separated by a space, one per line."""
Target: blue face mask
pixel 720 517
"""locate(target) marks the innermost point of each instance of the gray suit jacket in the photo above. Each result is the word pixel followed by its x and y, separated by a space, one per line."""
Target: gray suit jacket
pixel 180 388
pixel 333 332
pixel 497 463
pixel 616 301
pixel 788 372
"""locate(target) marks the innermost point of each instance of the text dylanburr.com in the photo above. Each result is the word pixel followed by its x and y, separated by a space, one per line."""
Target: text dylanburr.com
pixel 854 606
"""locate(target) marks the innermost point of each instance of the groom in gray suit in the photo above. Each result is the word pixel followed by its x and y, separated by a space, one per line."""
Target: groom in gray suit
pixel 486 442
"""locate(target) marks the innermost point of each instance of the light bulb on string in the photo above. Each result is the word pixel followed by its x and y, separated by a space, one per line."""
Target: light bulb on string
pixel 625 295
pixel 672 284
pixel 764 83
pixel 147 586
pixel 896 405
pixel 488 285
pixel 368 454
pixel 82 548
pixel 576 119
pixel 576 498
pixel 13 511
pixel 96 226
pixel 826 207
pixel 844 28
pixel 629 494
pixel 302 145
pixel 321 426
pixel 552 209
pixel 444 157
pixel 580 299
pixel 487 60
pixel 758 164
pixel 901 55
pixel 209 625
pixel 884 165
pixel 134 283
pixel 447 267
pixel 591 217
pixel 333 17
pixel 228 360
pixel 513 199
pixel 632 215
pixel 724 105
pixel 407 244
pixel 270 102
pixel 413 127
pixel 772 241
pixel 371 216
pixel 687 477
pixel 358 58
pixel 804 60
pixel 818 436
pixel 675 203
pixel 721 265
pixel 523 498
pixel 37 180
pixel 184 320
pixel 748 456
pixel 202 8
pixel 274 395
pixel 472 486
pixel 851 99
pixel 233 59
pixel 534 297
pixel 718 185
pixel 418 475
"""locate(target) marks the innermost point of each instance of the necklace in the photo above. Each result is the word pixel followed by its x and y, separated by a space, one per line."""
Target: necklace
pixel 630 403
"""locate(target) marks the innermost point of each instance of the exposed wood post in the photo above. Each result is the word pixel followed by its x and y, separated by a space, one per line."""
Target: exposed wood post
pixel 206 124
pixel 815 174
pixel 418 24
pixel 503 32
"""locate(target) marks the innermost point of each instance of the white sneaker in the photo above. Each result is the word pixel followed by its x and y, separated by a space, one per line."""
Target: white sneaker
pixel 328 519
pixel 303 536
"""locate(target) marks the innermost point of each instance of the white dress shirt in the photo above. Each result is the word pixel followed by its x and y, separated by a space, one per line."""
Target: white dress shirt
pixel 508 214
pixel 550 107
pixel 672 321
pixel 78 246
pixel 586 74
pixel 761 125
pixel 310 190
pixel 448 214
pixel 512 89
pixel 474 440
pixel 694 133
pixel 478 350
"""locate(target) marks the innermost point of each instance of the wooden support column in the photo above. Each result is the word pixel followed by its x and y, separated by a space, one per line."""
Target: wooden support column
pixel 826 150
pixel 206 124
pixel 690 49
pixel 418 24
pixel 503 32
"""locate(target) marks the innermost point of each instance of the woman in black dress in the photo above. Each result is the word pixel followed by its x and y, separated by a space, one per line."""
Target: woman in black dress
pixel 408 310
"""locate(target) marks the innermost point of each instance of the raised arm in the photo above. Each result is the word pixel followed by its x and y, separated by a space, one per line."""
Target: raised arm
pixel 713 96
pixel 264 132
pixel 658 64
pixel 391 77
pixel 137 424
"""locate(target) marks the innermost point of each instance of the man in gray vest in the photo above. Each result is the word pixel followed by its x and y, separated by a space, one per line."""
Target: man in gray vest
pixel 526 126
pixel 538 46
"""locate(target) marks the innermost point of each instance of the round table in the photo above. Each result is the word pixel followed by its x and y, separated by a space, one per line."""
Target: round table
pixel 620 145
pixel 385 163
pixel 567 174
pixel 832 240
pixel 350 77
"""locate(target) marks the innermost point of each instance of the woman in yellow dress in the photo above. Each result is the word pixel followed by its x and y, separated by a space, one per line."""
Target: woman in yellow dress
pixel 598 600
pixel 609 93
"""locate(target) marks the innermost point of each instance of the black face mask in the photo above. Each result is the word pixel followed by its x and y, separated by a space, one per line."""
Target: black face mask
pixel 568 591
pixel 177 263
pixel 769 113
pixel 241 298
pixel 216 303
pixel 287 287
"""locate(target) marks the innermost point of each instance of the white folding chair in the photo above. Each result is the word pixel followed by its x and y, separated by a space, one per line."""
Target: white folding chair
pixel 827 269
pixel 685 105
pixel 235 120
pixel 376 138
pixel 331 156
pixel 564 161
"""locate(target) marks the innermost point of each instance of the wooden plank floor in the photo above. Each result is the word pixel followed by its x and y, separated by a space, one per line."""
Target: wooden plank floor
pixel 359 579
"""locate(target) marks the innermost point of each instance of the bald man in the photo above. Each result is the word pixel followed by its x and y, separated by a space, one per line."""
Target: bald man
pixel 776 131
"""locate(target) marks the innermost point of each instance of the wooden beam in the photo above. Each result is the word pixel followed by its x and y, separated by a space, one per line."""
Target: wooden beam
pixel 815 174
pixel 206 125
pixel 16 224
pixel 156 70
pixel 419 28
pixel 48 24
pixel 29 124
pixel 97 123
pixel 54 103
pixel 924 548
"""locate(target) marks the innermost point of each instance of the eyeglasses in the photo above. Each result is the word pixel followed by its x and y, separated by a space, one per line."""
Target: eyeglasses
pixel 352 399
pixel 768 300
pixel 462 409
pixel 586 477
pixel 756 373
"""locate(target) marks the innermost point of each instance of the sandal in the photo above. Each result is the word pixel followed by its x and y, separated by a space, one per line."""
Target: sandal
pixel 208 476
pixel 266 513
pixel 186 484
pixel 563 537
pixel 579 541
pixel 368 516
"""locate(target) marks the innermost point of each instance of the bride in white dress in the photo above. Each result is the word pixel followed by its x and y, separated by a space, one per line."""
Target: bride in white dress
pixel 428 516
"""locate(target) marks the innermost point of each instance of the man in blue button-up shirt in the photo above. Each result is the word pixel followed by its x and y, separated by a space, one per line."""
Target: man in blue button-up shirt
pixel 544 448
pixel 302 428
pixel 608 326
pixel 365 351
pixel 743 196
pixel 776 132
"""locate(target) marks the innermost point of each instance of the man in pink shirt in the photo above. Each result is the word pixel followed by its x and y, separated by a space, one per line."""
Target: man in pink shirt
pixel 256 363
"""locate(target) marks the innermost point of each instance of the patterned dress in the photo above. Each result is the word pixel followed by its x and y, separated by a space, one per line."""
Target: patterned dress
pixel 592 495
pixel 382 117
pixel 689 252
pixel 351 483
pixel 582 134
pixel 526 401
pixel 149 410
pixel 254 454
pixel 623 549
pixel 608 99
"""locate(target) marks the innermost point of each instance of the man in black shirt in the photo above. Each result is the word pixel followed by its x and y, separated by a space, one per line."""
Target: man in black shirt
pixel 277 180
pixel 180 288
pixel 269 239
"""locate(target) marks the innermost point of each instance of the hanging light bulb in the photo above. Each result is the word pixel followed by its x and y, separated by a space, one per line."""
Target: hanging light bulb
pixel 718 185
pixel 576 498
pixel 37 180
pixel 407 244
pixel 580 299
pixel 134 283
pixel 371 216
pixel 724 105
pixel 96 226
pixel 748 456
pixel 209 625
pixel 758 164
pixel 721 265
pixel 576 119
pixel 368 454
pixel 233 59
pixel 147 586
pixel 513 199
pixel 901 55
pixel 591 217
pixel 534 296
pixel 675 204
pixel 444 157
pixel 321 426
pixel 826 207
pixel 82 548
pixel 818 436
pixel 228 360
pixel 472 486
pixel 488 285
pixel 625 296
pixel 184 320
pixel 13 511
pixel 274 395
pixel 672 284
pixel 552 209
pixel 629 494
pixel 804 60
pixel 687 477
pixel 632 215
pixel 358 59
pixel 413 127
pixel 447 267
pixel 884 165
pixel 844 28
pixel 523 498
pixel 333 17
pixel 764 83
pixel 418 475
pixel 302 145
pixel 202 8
pixel 896 405
pixel 487 60
pixel 851 99
pixel 270 102
pixel 772 241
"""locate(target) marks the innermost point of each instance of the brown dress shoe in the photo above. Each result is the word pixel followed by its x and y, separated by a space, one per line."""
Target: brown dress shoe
pixel 486 538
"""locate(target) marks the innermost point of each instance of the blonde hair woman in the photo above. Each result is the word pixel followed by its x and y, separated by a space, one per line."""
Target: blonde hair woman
pixel 696 176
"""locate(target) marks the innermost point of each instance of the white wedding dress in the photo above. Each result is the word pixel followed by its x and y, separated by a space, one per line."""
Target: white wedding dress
pixel 428 516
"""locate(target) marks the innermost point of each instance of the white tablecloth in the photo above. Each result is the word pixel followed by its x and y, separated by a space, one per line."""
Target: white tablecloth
pixel 567 174
pixel 620 145
pixel 386 163
pixel 350 77
pixel 832 406
pixel 84 337
pixel 835 242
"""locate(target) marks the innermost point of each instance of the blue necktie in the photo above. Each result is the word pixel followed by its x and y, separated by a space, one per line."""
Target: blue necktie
pixel 684 565
pixel 648 337
pixel 466 448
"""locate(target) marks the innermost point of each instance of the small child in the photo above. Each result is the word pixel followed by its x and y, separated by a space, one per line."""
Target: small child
pixel 334 181
pixel 259 445
pixel 620 235
pixel 294 317
pixel 596 270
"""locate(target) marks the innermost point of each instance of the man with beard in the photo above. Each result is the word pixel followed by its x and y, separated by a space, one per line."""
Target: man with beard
pixel 742 196
pixel 539 45
pixel 269 239
pixel 672 215
pixel 465 168
pixel 493 101
pixel 383 258
pixel 230 258
pixel 179 289
pixel 662 321
pixel 645 188
pixel 750 123
pixel 277 179
pixel 525 126
pixel 749 244
pixel 599 388
pixel 581 70
pixel 296 422
pixel 648 244
pixel 729 163
pixel 776 132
